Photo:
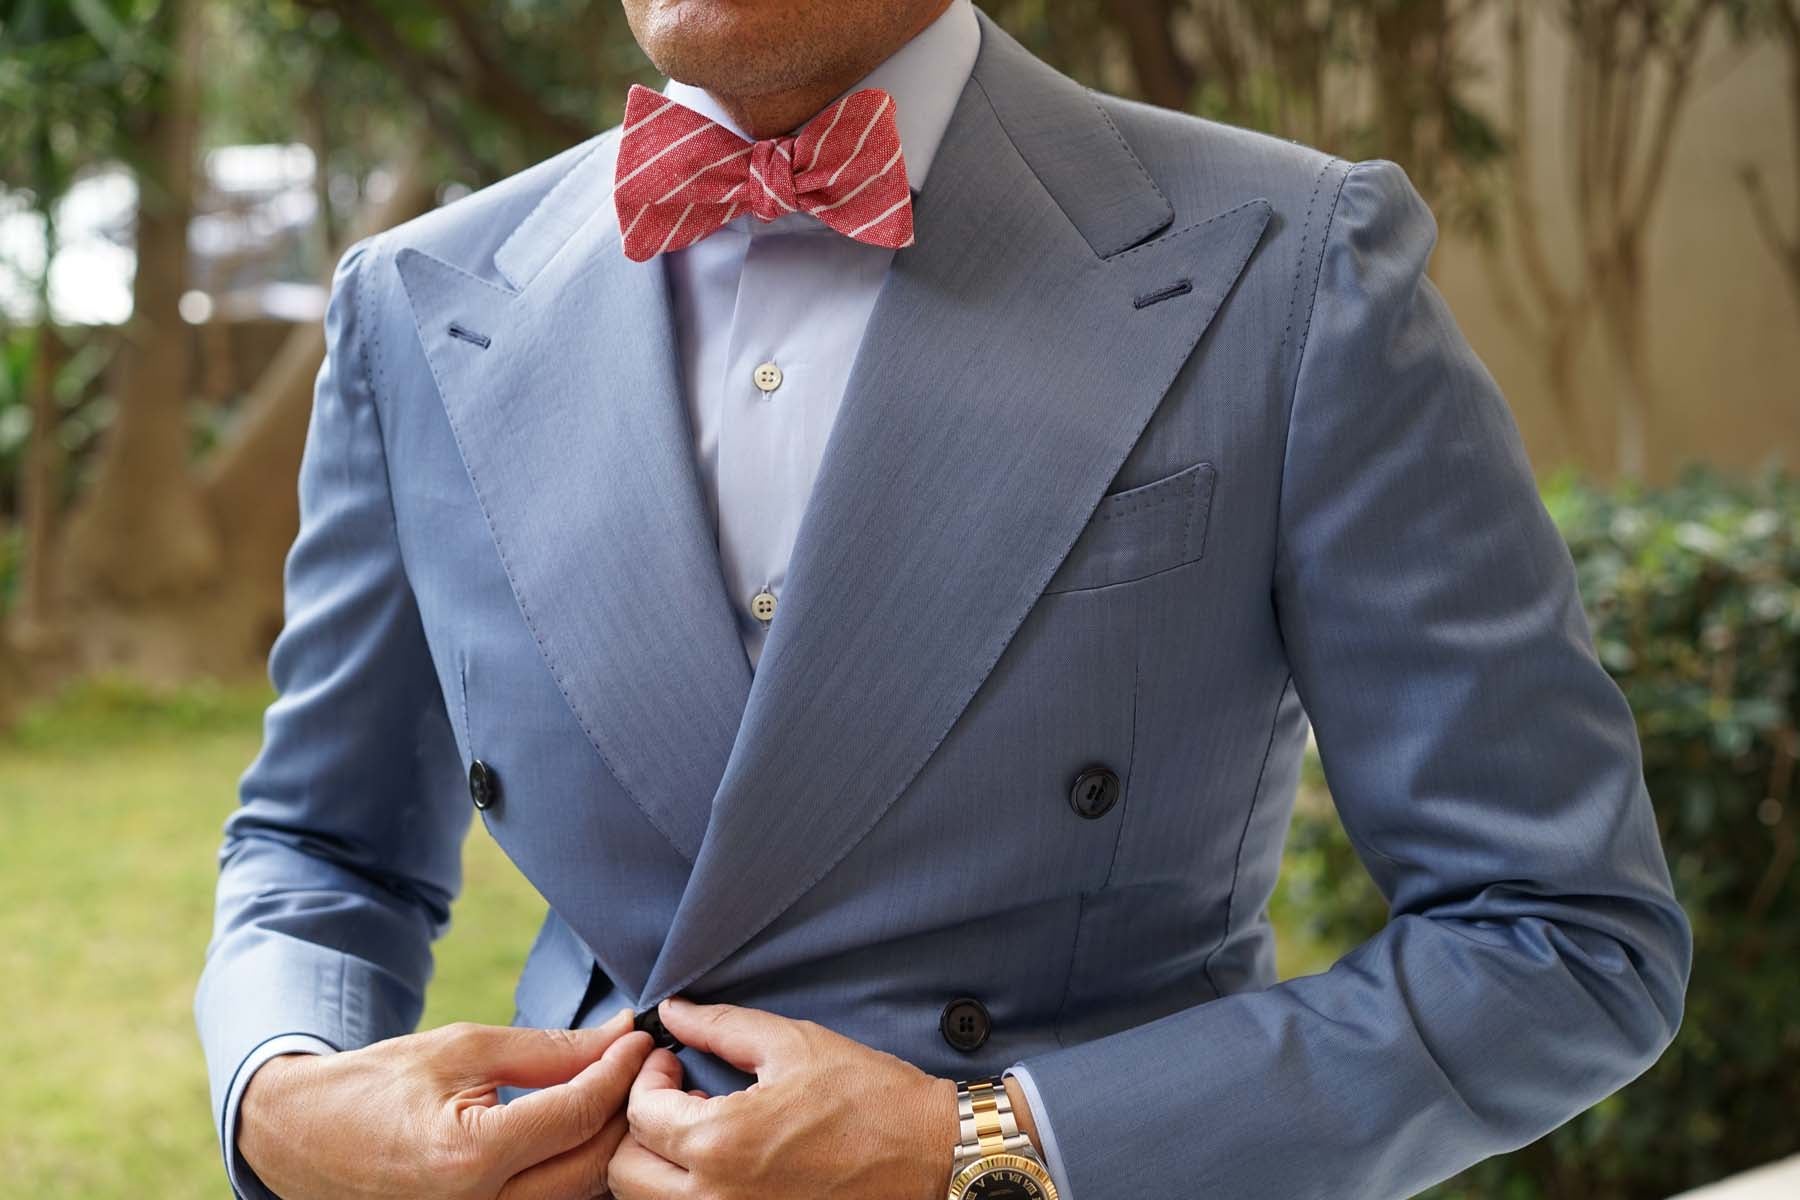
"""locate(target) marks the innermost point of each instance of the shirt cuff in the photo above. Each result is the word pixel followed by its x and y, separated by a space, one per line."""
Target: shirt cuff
pixel 244 1183
pixel 1052 1156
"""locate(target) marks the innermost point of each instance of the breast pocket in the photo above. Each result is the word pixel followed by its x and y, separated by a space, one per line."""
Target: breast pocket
pixel 1141 531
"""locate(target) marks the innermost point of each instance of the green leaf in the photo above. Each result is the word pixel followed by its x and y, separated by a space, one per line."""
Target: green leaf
pixel 102 25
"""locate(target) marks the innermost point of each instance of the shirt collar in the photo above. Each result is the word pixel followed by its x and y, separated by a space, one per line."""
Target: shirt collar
pixel 925 76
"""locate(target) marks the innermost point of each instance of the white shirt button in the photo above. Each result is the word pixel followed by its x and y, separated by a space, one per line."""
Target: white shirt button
pixel 762 605
pixel 768 377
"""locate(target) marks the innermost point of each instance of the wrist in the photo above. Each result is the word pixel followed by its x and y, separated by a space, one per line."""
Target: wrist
pixel 1015 1092
pixel 260 1111
pixel 944 1131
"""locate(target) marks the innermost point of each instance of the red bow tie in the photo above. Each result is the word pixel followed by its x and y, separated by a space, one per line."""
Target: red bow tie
pixel 681 175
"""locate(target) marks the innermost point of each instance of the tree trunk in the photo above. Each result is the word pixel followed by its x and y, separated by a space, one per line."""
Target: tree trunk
pixel 12 681
pixel 1562 356
pixel 142 531
pixel 1554 318
pixel 315 125
pixel 1790 27
pixel 1622 314
pixel 40 475
pixel 1164 77
pixel 1785 245
pixel 170 571
pixel 248 494
pixel 39 494
pixel 249 485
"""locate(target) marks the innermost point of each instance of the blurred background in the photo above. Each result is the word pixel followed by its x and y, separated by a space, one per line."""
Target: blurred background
pixel 1618 188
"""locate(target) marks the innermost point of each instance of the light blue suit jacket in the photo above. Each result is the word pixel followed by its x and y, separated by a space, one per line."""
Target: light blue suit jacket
pixel 1160 443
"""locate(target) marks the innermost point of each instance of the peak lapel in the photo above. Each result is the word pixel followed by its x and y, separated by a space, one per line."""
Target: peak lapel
pixel 575 435
pixel 1004 376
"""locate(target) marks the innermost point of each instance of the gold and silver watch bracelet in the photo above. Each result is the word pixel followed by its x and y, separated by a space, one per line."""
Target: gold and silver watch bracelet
pixel 987 1122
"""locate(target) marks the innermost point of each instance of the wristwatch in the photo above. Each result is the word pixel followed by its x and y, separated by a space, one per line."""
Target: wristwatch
pixel 995 1160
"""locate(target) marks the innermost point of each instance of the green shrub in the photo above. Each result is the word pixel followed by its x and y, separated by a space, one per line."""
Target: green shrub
pixel 1693 595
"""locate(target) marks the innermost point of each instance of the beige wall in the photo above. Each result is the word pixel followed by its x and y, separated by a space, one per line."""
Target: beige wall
pixel 1725 327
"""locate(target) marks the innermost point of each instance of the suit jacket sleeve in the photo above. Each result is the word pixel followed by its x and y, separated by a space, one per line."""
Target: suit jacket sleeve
pixel 339 865
pixel 1486 768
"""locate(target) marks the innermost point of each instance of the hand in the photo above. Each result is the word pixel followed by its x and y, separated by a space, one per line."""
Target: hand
pixel 419 1115
pixel 826 1117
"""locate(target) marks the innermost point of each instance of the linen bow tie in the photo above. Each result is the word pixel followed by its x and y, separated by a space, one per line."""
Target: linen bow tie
pixel 681 175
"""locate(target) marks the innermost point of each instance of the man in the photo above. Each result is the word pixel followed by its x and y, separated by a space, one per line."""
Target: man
pixel 888 619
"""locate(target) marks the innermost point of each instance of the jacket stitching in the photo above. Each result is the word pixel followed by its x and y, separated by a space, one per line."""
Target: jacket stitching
pixel 1155 243
pixel 1112 583
pixel 1237 866
pixel 1130 757
pixel 1301 259
pixel 1135 161
pixel 1062 1005
pixel 1112 862
pixel 551 193
pixel 374 383
pixel 1187 539
pixel 1306 332
pixel 556 671
pixel 462 680
pixel 1154 494
pixel 1189 552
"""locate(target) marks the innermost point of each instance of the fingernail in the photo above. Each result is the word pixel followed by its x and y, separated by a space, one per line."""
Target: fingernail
pixel 623 1015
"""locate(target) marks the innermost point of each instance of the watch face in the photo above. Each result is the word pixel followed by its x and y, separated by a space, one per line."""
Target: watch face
pixel 1005 1177
pixel 1005 1184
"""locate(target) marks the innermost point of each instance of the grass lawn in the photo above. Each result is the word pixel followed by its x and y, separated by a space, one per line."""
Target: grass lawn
pixel 110 808
pixel 111 803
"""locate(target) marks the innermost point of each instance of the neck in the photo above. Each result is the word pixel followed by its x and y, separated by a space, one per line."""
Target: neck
pixel 775 114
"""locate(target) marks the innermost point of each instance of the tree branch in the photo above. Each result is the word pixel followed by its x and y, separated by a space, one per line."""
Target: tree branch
pixel 415 70
pixel 499 90
pixel 1527 223
pixel 1680 65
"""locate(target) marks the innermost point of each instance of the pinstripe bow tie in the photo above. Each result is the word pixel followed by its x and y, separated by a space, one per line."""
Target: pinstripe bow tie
pixel 681 175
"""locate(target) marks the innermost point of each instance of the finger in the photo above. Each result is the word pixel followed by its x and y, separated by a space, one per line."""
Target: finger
pixel 661 1069
pixel 524 1057
pixel 580 1172
pixel 545 1123
pixel 743 1037
pixel 661 1114
pixel 697 1092
pixel 638 1174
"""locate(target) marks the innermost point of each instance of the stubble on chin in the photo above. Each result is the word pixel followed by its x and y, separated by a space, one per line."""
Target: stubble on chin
pixel 758 47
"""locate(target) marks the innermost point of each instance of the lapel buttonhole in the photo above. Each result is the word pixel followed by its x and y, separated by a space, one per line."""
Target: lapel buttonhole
pixel 469 335
pixel 1180 287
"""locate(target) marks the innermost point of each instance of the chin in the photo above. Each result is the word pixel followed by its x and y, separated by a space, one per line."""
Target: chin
pixel 718 43
pixel 753 47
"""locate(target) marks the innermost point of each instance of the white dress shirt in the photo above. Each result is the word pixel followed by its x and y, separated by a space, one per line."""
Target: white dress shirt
pixel 795 295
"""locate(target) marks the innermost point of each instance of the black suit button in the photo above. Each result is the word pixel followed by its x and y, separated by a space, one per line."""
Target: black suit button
pixel 965 1023
pixel 484 785
pixel 1096 790
pixel 650 1021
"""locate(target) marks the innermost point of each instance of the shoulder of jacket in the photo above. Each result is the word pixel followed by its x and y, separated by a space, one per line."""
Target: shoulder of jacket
pixel 468 230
